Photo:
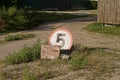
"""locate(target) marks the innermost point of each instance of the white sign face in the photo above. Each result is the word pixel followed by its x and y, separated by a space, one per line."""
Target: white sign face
pixel 61 37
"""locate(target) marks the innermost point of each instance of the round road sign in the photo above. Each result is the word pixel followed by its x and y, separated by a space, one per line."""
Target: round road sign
pixel 61 37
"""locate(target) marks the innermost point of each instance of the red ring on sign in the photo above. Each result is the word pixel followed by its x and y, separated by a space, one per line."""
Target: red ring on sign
pixel 64 29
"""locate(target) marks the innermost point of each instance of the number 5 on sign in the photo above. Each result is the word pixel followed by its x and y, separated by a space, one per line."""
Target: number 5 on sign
pixel 61 37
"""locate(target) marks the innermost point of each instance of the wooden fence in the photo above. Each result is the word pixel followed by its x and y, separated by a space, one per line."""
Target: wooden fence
pixel 109 11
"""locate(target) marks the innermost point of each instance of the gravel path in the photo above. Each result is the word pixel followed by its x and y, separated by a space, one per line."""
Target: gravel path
pixel 75 26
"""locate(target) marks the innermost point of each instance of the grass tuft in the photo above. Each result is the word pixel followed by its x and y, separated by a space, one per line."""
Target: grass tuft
pixel 28 76
pixel 25 55
pixel 99 28
pixel 18 37
pixel 94 59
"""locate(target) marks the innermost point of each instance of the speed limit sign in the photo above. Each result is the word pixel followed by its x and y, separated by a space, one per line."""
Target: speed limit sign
pixel 61 37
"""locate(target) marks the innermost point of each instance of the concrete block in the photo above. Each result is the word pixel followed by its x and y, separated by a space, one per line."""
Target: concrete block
pixel 50 52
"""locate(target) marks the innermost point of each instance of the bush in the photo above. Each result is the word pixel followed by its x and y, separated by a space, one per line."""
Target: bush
pixel 3 25
pixel 27 54
pixel 90 4
pixel 18 37
pixel 13 18
pixel 8 3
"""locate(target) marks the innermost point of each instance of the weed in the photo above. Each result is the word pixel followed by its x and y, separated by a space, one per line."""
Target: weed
pixel 50 74
pixel 78 63
pixel 95 60
pixel 99 28
pixel 6 74
pixel 28 76
pixel 40 76
pixel 12 18
pixel 2 77
pixel 18 37
pixel 79 57
pixel 27 54
pixel 47 74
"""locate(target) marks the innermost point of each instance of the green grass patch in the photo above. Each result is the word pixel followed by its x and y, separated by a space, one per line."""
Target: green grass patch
pixel 78 59
pixel 99 28
pixel 78 63
pixel 96 60
pixel 18 37
pixel 25 55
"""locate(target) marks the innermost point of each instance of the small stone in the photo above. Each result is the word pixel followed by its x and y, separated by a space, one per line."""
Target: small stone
pixel 65 56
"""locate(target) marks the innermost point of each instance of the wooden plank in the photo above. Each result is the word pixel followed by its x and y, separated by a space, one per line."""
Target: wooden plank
pixel 106 11
pixel 110 16
pixel 109 11
pixel 101 11
pixel 118 11
pixel 113 12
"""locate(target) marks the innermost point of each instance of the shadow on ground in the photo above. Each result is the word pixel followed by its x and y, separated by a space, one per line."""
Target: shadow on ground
pixel 45 26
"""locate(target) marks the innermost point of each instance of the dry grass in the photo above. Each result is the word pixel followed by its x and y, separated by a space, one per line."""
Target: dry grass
pixel 1 42
pixel 97 61
pixel 84 61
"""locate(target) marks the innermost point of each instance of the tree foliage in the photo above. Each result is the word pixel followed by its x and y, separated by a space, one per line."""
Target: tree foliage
pixel 8 3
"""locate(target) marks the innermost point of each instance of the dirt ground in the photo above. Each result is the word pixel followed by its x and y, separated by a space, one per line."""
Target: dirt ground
pixel 92 40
